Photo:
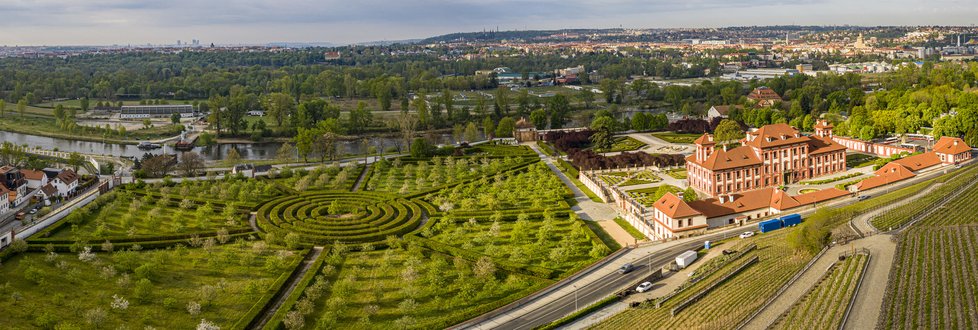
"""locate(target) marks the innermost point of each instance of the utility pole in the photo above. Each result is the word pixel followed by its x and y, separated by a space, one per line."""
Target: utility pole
pixel 575 298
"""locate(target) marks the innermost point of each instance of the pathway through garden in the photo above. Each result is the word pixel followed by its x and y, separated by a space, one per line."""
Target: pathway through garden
pixel 366 169
pixel 282 295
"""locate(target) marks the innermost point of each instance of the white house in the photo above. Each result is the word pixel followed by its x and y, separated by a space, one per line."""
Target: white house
pixel 720 111
pixel 35 179
pixel 66 182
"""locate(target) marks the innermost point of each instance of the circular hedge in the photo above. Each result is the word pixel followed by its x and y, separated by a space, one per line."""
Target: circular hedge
pixel 325 217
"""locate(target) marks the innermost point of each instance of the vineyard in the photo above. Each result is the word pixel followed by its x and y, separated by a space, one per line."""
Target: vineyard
pixel 824 306
pixel 899 216
pixel 730 302
pixel 932 280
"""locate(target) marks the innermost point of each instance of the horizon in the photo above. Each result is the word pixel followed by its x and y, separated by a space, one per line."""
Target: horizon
pixel 256 22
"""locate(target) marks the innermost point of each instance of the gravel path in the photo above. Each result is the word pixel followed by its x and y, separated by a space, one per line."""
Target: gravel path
pixel 290 286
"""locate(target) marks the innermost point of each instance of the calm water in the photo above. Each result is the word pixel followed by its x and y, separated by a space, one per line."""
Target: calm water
pixel 217 152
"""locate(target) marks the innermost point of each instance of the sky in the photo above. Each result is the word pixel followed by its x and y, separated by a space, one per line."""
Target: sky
pixel 137 22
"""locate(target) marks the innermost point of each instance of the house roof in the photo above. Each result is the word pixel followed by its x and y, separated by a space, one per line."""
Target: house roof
pixel 775 135
pixel 724 109
pixel 726 159
pixel 523 123
pixel 951 145
pixel 818 145
pixel 6 168
pixel 68 176
pixel 920 161
pixel 742 202
pixel 760 199
pixel 889 173
pixel 33 174
pixel 823 124
pixel 49 190
pixel 674 207
pixel 763 93
pixel 705 139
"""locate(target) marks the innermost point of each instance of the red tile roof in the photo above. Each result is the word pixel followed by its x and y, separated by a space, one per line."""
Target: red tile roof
pixel 763 93
pixel 742 202
pixel 823 124
pixel 776 135
pixel 68 176
pixel 33 174
pixel 726 159
pixel 951 145
pixel 818 145
pixel 674 207
pixel 920 161
pixel 887 174
pixel 705 139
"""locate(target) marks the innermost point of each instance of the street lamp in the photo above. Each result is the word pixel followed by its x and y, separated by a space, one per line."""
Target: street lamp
pixel 575 298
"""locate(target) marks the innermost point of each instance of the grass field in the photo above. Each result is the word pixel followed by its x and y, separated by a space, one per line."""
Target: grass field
pixel 824 306
pixel 631 230
pixel 682 138
pixel 860 160
pixel 732 301
pixel 679 174
pixel 61 291
pixel 625 143
pixel 646 196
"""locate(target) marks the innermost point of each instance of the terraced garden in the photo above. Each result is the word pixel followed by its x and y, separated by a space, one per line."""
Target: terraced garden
pixel 825 305
pixel 732 301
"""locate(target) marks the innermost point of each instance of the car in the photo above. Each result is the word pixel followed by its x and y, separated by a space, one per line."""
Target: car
pixel 746 234
pixel 864 197
pixel 32 211
pixel 625 268
pixel 645 286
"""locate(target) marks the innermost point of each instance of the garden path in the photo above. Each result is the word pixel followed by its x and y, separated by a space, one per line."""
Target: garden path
pixel 366 169
pixel 280 298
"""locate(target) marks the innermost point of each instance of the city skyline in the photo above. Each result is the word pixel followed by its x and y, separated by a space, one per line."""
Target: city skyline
pixel 107 22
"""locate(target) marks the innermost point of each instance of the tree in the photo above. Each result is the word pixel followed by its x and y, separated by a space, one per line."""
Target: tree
pixel 539 118
pixel 75 160
pixel 407 123
pixel 421 107
pixel 22 106
pixel 727 131
pixel 421 148
pixel 304 141
pixel 147 123
pixel 175 118
pixel 488 127
pixel 604 131
pixel 471 132
pixel 191 163
pixel 360 118
pixel 279 106
pixel 233 157
pixel 689 195
pixel 587 96
pixel 84 104
pixel 558 107
pixel 3 107
pixel 285 153
pixel 505 127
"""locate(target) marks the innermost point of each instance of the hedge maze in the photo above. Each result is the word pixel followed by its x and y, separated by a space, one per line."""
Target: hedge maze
pixel 330 216
pixel 423 243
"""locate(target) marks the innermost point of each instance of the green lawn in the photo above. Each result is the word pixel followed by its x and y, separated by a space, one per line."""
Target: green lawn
pixel 683 138
pixel 631 230
pixel 626 143
pixel 859 160
pixel 679 174
pixel 646 196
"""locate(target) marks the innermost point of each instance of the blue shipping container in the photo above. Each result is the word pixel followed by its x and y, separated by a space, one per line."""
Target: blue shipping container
pixel 769 225
pixel 791 220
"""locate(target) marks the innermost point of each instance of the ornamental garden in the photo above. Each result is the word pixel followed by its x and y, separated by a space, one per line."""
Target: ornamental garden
pixel 403 243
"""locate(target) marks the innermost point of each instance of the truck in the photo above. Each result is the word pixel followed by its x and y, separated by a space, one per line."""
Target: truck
pixel 686 258
pixel 791 220
pixel 770 225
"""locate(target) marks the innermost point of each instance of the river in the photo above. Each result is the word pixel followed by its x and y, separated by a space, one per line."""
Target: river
pixel 250 151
